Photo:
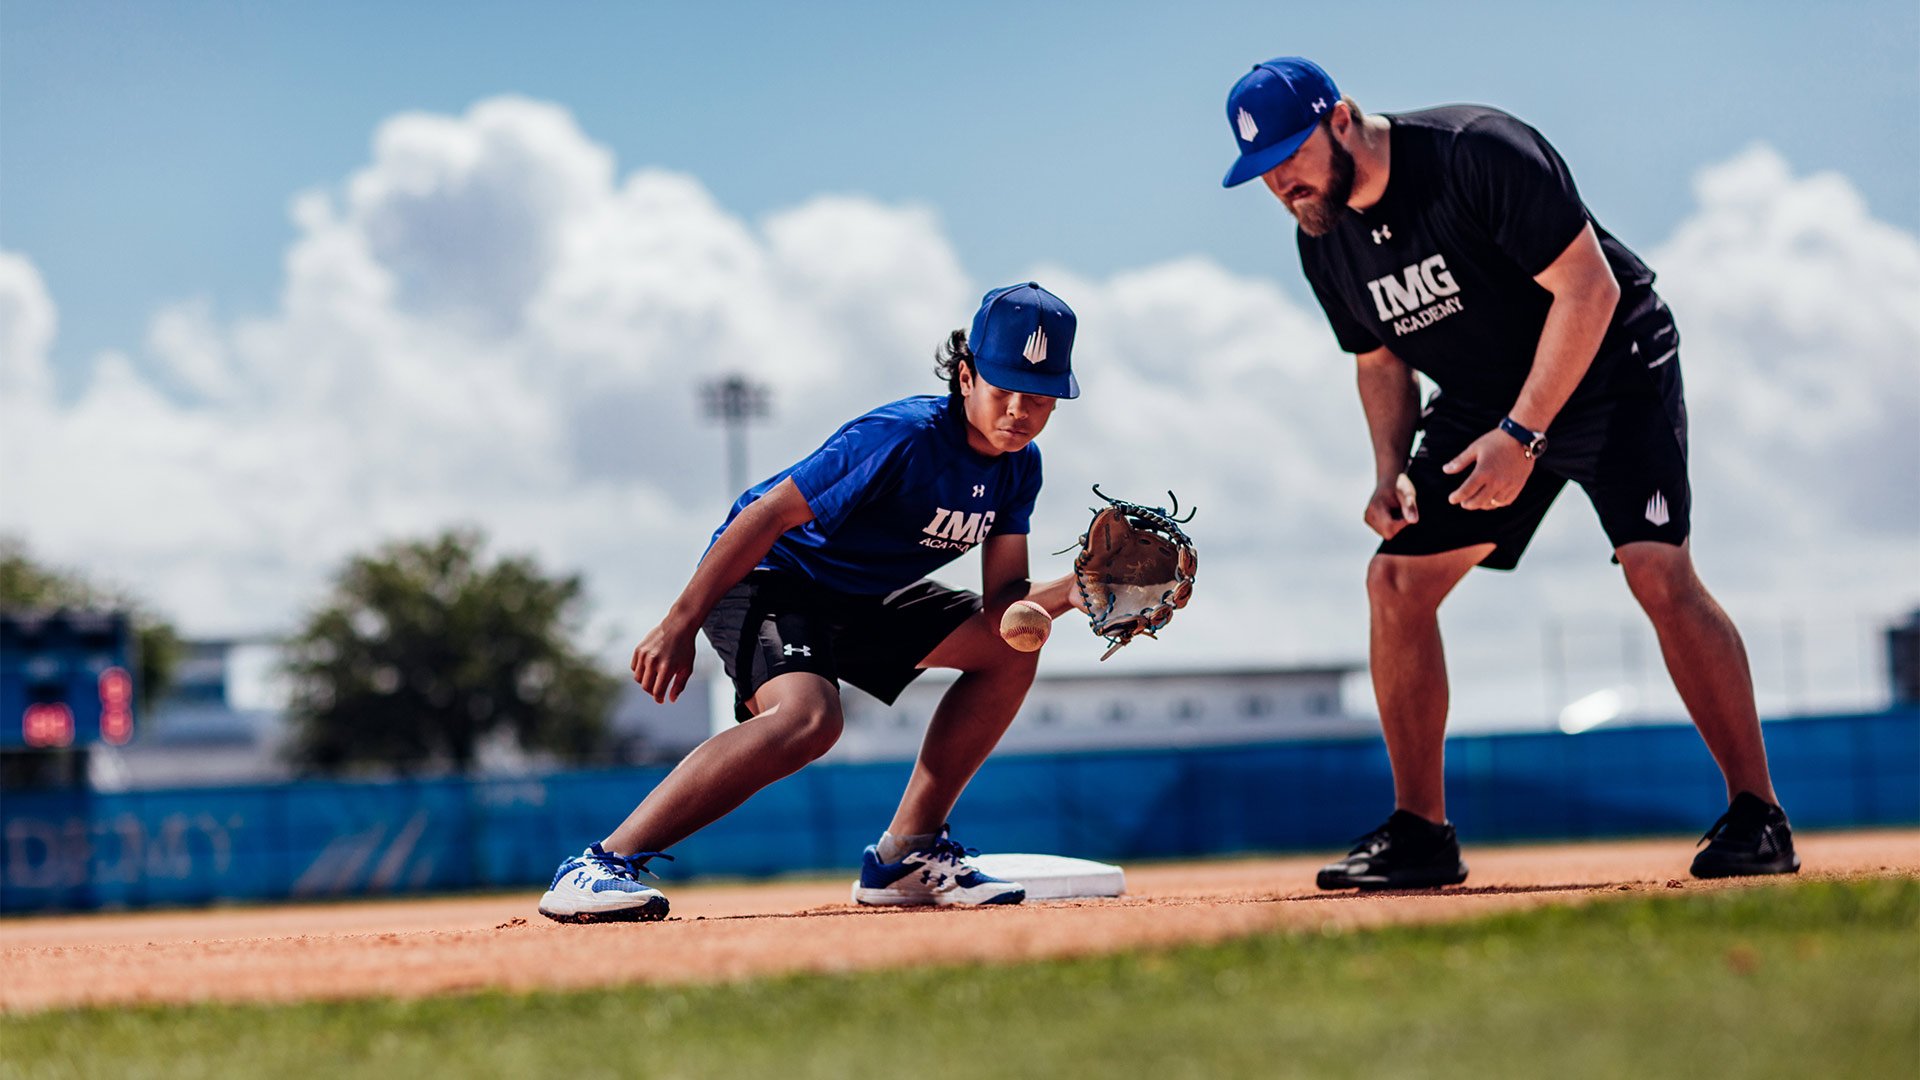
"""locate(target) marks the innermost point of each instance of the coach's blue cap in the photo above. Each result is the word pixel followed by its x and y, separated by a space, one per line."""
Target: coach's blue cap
pixel 1022 340
pixel 1272 110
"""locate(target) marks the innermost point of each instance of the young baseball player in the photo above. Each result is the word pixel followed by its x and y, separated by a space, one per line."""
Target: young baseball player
pixel 1453 242
pixel 819 574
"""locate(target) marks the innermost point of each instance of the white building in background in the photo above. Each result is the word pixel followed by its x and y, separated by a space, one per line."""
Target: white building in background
pixel 1074 713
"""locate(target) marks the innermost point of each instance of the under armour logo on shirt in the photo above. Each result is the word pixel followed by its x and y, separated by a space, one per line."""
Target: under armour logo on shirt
pixel 1382 234
pixel 1248 129
pixel 1657 509
pixel 979 490
pixel 803 650
pixel 1036 350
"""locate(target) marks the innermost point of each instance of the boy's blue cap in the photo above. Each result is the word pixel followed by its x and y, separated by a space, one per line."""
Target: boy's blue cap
pixel 1272 110
pixel 1022 340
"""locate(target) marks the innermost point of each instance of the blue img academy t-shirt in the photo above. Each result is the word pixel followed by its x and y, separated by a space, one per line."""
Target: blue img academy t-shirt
pixel 896 494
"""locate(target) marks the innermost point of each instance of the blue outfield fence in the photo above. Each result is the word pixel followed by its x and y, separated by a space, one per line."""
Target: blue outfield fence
pixel 72 851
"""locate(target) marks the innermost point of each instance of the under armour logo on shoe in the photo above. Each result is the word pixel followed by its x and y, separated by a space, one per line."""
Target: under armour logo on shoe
pixel 803 650
pixel 979 490
pixel 1657 509
pixel 1248 129
pixel 1036 350
pixel 1381 234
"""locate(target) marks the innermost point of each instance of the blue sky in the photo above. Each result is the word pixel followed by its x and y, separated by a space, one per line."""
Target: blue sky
pixel 148 152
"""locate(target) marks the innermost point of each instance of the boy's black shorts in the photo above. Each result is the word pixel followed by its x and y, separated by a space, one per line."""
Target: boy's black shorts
pixel 772 623
pixel 1629 454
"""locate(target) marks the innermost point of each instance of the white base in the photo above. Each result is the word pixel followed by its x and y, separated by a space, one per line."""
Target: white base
pixel 1055 877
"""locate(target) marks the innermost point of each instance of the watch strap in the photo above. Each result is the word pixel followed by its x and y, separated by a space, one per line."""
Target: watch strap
pixel 1533 441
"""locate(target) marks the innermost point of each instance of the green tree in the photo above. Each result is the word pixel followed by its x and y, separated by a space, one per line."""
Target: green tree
pixel 28 585
pixel 424 648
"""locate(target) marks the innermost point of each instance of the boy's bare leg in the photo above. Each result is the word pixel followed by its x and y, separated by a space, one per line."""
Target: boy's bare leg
pixel 966 725
pixel 796 719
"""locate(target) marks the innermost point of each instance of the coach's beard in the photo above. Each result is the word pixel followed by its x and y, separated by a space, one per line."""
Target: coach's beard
pixel 1318 214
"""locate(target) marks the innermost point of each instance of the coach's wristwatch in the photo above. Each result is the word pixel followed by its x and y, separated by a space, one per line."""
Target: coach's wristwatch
pixel 1533 442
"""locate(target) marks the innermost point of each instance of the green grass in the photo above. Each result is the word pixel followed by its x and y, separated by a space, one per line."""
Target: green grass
pixel 1815 979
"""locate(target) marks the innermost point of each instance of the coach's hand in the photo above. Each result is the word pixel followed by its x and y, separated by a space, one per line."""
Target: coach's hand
pixel 1500 469
pixel 1392 507
pixel 663 661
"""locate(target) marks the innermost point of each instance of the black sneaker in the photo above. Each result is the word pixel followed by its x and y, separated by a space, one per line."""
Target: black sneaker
pixel 1752 837
pixel 1408 852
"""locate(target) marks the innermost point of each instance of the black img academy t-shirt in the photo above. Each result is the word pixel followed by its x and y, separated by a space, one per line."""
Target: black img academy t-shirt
pixel 1441 269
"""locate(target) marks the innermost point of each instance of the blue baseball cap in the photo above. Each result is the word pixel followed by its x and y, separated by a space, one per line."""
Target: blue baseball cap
pixel 1022 340
pixel 1272 110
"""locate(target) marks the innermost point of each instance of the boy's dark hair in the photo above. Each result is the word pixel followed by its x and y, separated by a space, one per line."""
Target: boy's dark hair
pixel 948 358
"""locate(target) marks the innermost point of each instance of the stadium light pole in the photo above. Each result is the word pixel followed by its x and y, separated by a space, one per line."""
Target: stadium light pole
pixel 735 402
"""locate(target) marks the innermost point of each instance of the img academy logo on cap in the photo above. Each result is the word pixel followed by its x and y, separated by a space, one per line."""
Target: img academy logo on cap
pixel 1273 110
pixel 1036 350
pixel 1022 340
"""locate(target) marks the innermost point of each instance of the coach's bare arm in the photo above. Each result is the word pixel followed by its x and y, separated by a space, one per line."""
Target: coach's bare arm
pixel 663 660
pixel 1390 396
pixel 1584 296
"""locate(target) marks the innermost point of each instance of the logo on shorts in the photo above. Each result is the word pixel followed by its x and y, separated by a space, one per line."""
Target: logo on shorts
pixel 1657 509
pixel 1036 350
pixel 803 650
pixel 1248 129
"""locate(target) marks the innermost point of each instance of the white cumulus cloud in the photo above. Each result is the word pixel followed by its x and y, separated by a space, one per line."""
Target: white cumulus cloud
pixel 1800 318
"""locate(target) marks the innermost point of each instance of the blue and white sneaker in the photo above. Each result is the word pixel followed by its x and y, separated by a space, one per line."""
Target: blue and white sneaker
pixel 940 876
pixel 599 886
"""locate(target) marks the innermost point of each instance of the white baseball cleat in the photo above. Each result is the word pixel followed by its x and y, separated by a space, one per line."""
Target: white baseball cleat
pixel 599 886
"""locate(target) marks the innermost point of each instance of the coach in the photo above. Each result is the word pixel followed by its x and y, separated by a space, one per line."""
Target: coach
pixel 1451 242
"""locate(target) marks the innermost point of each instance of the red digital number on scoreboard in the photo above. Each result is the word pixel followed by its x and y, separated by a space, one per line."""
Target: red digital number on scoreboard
pixel 47 725
pixel 116 706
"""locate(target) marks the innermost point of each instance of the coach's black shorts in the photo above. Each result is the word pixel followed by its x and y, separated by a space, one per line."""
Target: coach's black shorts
pixel 773 623
pixel 1628 453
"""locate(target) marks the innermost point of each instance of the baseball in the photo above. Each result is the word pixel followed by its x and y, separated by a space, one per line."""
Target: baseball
pixel 1026 625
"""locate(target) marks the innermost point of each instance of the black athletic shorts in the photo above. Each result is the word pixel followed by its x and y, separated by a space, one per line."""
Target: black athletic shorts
pixel 1628 453
pixel 773 623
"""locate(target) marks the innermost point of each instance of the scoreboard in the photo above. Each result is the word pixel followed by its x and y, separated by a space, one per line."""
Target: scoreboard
pixel 65 679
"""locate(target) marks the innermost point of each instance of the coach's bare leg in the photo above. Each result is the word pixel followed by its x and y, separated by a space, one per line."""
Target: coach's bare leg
pixel 1706 658
pixel 1409 669
pixel 796 719
pixel 966 725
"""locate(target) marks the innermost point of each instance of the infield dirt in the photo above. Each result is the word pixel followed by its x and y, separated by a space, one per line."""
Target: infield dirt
pixel 720 932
